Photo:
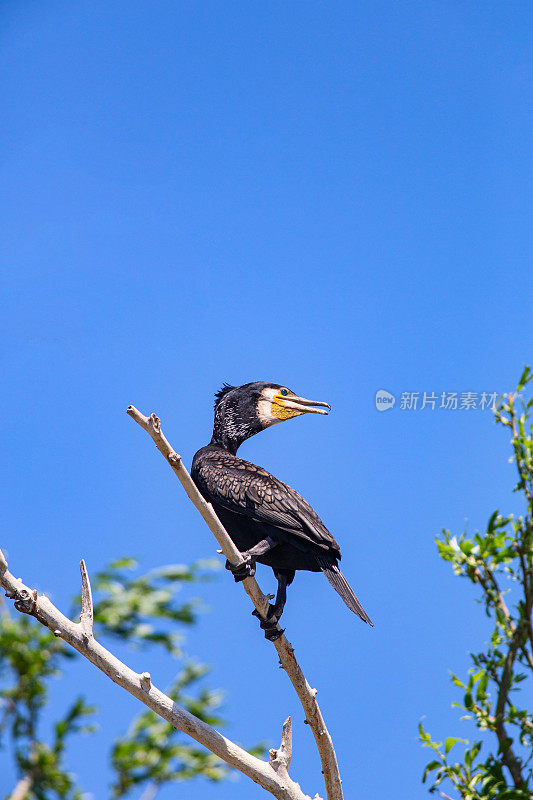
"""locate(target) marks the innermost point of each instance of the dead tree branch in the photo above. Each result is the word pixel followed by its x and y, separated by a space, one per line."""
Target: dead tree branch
pixel 21 790
pixel 307 696
pixel 271 775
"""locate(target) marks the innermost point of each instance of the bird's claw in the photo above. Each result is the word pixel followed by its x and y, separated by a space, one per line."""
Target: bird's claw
pixel 269 625
pixel 242 571
pixel 274 612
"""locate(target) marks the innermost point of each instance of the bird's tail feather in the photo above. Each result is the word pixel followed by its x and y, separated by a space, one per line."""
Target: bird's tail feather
pixel 342 587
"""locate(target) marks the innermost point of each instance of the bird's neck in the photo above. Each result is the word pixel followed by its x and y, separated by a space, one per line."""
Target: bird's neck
pixel 229 432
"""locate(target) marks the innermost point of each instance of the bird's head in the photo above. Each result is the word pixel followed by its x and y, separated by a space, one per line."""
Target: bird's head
pixel 242 411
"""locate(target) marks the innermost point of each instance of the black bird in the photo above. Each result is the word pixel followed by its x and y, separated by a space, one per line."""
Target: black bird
pixel 268 521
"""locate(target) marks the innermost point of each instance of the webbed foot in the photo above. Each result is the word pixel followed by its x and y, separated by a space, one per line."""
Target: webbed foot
pixel 269 624
pixel 242 571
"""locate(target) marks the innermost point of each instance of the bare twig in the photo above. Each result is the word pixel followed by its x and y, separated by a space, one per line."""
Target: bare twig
pixel 280 759
pixel 150 791
pixel 21 790
pixel 39 606
pixel 86 616
pixel 146 681
pixel 284 648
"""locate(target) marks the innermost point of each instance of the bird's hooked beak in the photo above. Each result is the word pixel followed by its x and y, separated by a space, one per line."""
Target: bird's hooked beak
pixel 302 405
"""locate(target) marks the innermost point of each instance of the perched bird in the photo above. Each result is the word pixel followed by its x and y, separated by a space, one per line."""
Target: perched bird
pixel 268 521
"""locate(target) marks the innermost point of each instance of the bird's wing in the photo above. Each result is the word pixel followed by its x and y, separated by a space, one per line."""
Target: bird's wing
pixel 245 488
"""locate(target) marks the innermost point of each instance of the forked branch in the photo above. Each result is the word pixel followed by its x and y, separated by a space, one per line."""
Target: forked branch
pixel 271 775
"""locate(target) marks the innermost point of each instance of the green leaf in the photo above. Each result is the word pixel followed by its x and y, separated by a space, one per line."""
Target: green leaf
pixel 492 521
pixel 450 742
pixel 457 682
pixel 126 562
pixel 525 377
pixel 482 686
pixel 433 765
pixel 503 558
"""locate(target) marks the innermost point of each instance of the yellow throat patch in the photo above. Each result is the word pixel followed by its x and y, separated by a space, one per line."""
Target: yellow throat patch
pixel 278 410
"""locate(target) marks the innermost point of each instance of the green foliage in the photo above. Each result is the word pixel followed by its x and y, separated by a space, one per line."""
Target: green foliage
pixel 142 610
pixel 500 563
pixel 29 656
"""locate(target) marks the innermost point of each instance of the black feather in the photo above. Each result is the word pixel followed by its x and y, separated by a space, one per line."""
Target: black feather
pixel 222 392
pixel 342 587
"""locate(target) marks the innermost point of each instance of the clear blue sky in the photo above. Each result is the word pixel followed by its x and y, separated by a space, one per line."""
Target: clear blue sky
pixel 333 196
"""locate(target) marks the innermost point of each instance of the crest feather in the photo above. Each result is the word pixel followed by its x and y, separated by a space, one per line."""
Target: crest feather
pixel 222 392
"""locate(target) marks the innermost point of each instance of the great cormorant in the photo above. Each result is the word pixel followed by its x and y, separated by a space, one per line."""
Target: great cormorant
pixel 268 521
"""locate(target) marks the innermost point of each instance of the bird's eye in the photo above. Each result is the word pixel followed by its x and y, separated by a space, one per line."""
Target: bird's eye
pixel 284 392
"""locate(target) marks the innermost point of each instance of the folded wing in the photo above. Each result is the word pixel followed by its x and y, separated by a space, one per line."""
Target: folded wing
pixel 244 488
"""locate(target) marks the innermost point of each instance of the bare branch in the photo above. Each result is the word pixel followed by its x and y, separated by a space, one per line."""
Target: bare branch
pixel 285 749
pixel 39 606
pixel 146 681
pixel 87 614
pixel 284 648
pixel 286 739
pixel 21 790
pixel 150 792
pixel 280 759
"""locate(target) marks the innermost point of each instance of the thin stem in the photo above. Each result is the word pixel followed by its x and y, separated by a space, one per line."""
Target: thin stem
pixel 501 604
pixel 509 758
pixel 528 596
pixel 150 791
pixel 523 471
